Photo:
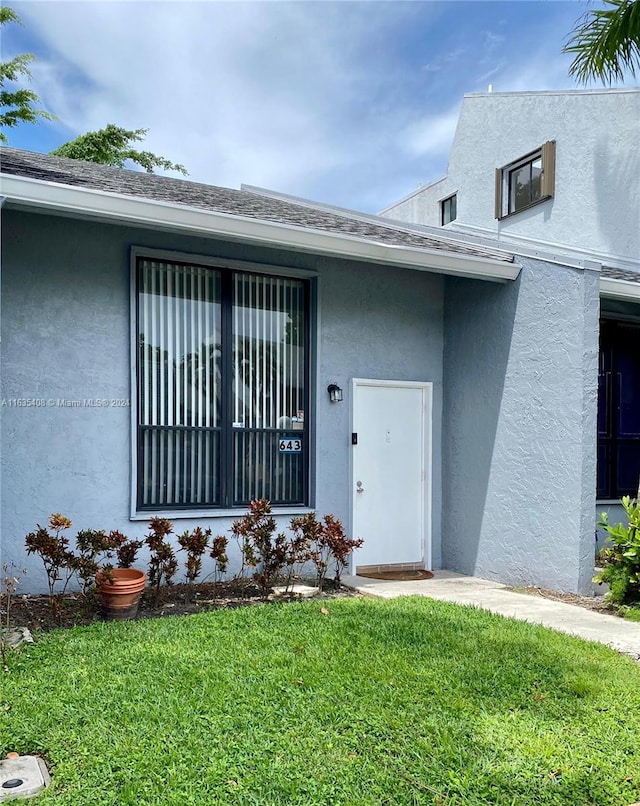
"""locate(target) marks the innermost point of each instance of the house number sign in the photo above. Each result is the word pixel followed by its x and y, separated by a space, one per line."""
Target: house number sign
pixel 290 445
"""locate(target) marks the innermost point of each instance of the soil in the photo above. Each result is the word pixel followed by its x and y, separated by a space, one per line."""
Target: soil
pixel 36 613
pixel 596 603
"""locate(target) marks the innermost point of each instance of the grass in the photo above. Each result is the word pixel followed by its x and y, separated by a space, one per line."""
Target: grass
pixel 400 702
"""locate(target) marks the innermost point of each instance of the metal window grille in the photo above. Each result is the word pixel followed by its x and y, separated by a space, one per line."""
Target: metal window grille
pixel 222 378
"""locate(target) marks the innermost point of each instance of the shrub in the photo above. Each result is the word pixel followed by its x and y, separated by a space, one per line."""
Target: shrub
pixel 262 549
pixel 195 544
pixel 127 551
pixel 90 544
pixel 219 555
pixel 621 559
pixel 96 548
pixel 325 542
pixel 305 531
pixel 10 583
pixel 54 552
pixel 338 544
pixel 162 563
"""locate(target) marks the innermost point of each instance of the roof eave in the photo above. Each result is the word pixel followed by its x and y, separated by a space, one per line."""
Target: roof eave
pixel 619 289
pixel 97 204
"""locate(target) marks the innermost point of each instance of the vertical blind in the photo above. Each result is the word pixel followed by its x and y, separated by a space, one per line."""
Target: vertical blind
pixel 221 380
pixel 179 384
pixel 269 387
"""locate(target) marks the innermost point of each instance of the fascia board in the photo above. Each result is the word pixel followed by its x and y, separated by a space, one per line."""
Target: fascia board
pixel 99 204
pixel 619 289
pixel 550 251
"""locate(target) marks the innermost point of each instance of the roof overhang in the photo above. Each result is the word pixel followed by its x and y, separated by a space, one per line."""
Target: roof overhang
pixel 80 202
pixel 619 289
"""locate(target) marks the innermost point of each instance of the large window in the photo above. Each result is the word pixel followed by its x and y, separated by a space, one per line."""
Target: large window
pixel 525 182
pixel 223 367
pixel 619 409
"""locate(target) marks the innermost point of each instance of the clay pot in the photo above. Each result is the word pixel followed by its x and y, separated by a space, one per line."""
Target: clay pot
pixel 120 592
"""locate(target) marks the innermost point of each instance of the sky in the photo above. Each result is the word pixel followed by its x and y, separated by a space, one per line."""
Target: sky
pixel 347 103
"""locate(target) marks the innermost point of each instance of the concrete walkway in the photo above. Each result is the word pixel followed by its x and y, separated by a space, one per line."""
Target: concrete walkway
pixel 622 635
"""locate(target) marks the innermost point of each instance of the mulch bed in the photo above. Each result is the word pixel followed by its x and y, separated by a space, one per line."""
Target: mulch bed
pixel 35 612
pixel 596 603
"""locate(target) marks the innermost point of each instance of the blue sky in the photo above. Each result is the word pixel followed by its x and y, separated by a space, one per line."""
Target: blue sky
pixel 349 103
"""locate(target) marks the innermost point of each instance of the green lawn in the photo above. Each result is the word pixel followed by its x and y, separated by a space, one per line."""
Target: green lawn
pixel 400 702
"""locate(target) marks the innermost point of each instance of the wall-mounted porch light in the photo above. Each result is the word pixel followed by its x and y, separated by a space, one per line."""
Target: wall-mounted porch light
pixel 335 393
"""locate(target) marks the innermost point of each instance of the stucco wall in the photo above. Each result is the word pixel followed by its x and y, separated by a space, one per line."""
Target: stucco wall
pixel 597 188
pixel 423 205
pixel 65 334
pixel 519 427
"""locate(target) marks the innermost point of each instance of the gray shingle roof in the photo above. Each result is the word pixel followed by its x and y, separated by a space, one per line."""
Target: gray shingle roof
pixel 621 274
pixel 225 200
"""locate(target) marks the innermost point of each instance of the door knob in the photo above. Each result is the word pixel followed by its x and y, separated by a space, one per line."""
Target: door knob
pixel 360 488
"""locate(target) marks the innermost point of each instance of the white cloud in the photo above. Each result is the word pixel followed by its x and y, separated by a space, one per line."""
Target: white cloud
pixel 255 92
pixel 331 100
pixel 432 134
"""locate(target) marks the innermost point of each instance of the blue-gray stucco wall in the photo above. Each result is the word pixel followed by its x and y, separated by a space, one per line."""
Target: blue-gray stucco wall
pixel 519 427
pixel 65 334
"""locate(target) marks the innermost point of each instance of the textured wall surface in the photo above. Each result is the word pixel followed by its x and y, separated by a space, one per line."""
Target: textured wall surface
pixel 65 334
pixel 519 427
pixel 597 198
pixel 423 205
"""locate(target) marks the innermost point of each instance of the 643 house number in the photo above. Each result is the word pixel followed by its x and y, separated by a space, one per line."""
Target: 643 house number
pixel 290 445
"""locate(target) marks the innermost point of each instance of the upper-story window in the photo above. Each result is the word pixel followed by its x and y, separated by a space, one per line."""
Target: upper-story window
pixel 525 182
pixel 448 209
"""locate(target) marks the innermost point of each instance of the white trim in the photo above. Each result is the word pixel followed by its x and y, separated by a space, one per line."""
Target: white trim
pixel 619 289
pixel 208 514
pixel 133 394
pixel 551 251
pixel 96 204
pixel 426 460
pixel 526 93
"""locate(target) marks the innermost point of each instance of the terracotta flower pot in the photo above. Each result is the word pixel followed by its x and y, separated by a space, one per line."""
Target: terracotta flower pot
pixel 120 592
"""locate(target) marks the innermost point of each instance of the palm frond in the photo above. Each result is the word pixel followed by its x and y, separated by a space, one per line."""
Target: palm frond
pixel 606 42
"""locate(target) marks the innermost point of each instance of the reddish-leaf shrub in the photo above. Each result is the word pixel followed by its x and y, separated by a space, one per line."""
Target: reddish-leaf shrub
pixel 195 544
pixel 95 550
pixel 53 549
pixel 219 555
pixel 324 542
pixel 262 549
pixel 163 564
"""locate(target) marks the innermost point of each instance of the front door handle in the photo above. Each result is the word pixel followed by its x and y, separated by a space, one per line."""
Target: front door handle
pixel 359 487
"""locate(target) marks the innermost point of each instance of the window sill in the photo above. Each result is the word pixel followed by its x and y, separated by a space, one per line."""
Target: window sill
pixel 199 514
pixel 524 209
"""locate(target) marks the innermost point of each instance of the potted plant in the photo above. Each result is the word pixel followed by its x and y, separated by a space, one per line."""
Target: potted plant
pixel 120 588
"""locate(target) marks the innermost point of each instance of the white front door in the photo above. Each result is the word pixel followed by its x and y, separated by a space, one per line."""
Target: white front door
pixel 391 472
